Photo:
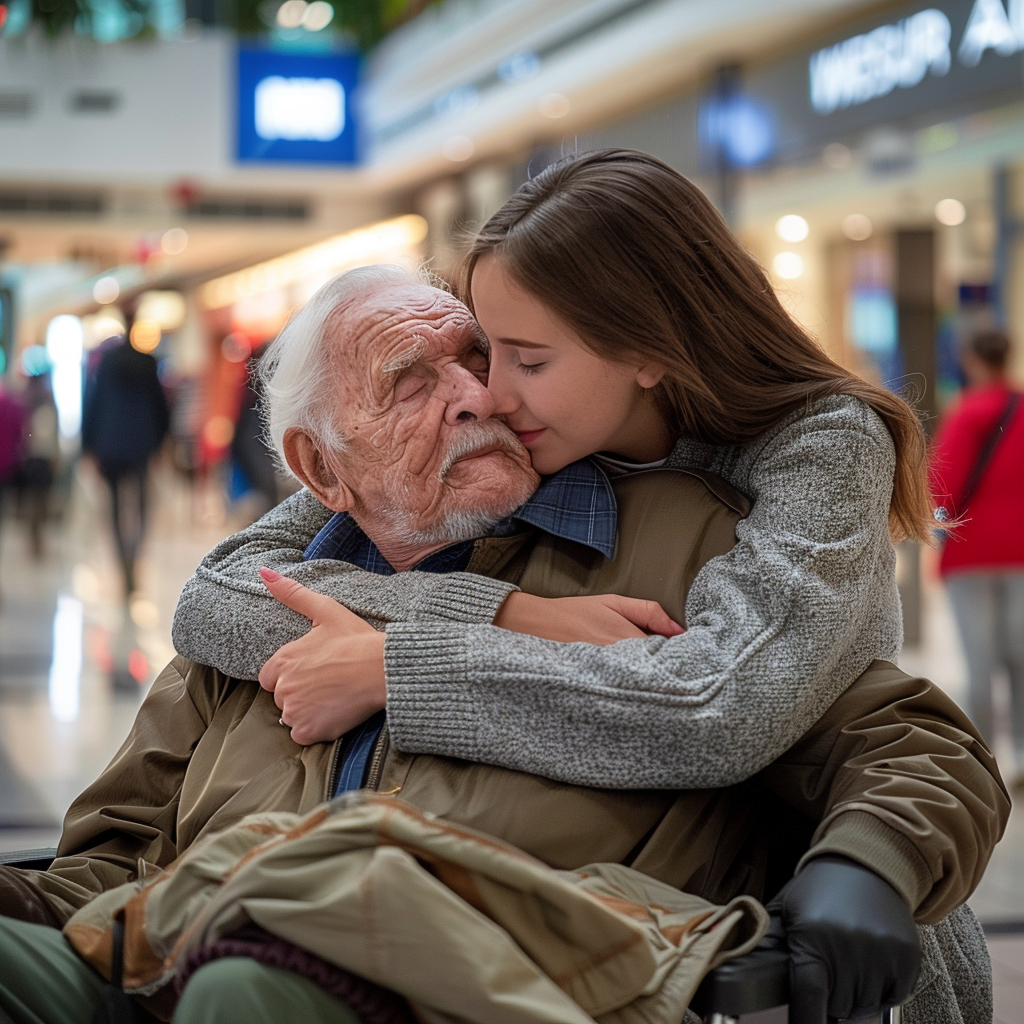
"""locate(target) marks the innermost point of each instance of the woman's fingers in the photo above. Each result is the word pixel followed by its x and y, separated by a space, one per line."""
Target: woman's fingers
pixel 316 607
pixel 648 616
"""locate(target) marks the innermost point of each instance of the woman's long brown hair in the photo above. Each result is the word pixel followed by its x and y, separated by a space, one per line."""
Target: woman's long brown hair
pixel 636 260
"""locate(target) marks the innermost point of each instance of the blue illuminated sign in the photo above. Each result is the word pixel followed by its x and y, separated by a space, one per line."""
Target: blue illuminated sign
pixel 297 107
pixel 738 127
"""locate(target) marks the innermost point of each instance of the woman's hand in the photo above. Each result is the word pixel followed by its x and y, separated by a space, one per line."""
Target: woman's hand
pixel 331 679
pixel 599 619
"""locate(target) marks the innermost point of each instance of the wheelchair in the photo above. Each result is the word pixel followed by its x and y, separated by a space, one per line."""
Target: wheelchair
pixel 749 984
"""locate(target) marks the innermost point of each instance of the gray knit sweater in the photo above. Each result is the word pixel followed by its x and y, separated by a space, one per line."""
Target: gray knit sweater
pixel 777 628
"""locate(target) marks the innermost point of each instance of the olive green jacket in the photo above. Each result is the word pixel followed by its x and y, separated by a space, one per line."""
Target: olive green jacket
pixel 893 775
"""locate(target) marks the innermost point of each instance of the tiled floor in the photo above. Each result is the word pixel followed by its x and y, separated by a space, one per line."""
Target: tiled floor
pixel 75 661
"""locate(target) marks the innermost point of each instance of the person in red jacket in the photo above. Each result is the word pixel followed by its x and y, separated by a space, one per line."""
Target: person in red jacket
pixel 978 475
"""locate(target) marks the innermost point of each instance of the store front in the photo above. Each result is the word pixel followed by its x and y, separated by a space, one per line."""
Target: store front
pixel 245 309
pixel 886 212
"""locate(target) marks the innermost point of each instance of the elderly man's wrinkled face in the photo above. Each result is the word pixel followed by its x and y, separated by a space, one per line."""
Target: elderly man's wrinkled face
pixel 423 456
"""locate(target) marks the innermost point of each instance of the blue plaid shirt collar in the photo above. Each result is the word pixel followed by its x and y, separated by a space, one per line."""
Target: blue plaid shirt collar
pixel 577 503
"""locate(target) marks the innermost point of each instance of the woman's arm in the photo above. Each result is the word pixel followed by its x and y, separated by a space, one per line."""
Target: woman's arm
pixel 226 618
pixel 777 629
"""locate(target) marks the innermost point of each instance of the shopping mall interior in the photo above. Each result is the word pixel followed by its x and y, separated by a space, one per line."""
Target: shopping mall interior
pixel 180 176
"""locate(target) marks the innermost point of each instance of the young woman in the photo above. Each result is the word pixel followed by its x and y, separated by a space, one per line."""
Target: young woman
pixel 624 319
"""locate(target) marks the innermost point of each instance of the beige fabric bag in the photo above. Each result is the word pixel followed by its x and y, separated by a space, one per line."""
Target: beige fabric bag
pixel 464 926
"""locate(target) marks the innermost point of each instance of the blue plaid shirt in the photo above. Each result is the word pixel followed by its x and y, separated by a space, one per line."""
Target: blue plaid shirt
pixel 577 503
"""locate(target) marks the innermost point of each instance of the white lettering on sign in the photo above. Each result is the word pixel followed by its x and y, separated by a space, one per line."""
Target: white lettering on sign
pixel 989 28
pixel 300 109
pixel 872 65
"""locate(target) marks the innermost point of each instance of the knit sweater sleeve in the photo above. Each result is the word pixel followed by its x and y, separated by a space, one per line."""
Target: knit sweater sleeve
pixel 777 629
pixel 225 617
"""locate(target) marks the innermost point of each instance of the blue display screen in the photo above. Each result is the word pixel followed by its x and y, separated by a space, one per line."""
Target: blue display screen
pixel 297 107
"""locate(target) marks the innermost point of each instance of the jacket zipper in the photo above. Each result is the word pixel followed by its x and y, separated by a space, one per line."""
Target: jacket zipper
pixel 380 750
pixel 332 777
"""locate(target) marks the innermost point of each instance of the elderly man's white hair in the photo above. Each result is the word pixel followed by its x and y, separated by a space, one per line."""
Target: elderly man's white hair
pixel 299 384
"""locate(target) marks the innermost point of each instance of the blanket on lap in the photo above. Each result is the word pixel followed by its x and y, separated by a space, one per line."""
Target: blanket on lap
pixel 465 927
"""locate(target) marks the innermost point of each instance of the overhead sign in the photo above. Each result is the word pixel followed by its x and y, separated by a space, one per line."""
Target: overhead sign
pixel 918 66
pixel 296 107
pixel 870 65
pixel 867 66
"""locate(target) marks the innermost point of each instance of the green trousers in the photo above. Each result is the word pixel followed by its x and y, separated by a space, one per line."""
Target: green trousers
pixel 43 981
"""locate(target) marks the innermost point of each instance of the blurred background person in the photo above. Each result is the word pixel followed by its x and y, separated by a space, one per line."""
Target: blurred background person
pixel 252 474
pixel 41 455
pixel 978 471
pixel 12 431
pixel 125 420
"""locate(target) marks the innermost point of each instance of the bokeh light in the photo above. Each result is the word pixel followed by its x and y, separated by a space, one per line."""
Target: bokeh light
pixel 164 307
pixel 218 432
pixel 236 348
pixel 145 335
pixel 792 228
pixel 34 361
pixel 857 227
pixel 174 241
pixel 318 15
pixel 65 342
pixel 950 212
pixel 106 290
pixel 788 265
pixel 291 13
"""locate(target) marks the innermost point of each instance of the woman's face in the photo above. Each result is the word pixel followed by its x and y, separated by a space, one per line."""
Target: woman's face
pixel 563 401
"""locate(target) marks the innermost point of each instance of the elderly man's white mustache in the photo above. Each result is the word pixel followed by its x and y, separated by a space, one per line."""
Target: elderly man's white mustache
pixel 479 437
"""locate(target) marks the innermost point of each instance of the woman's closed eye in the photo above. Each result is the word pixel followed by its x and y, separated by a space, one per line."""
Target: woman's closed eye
pixel 530 367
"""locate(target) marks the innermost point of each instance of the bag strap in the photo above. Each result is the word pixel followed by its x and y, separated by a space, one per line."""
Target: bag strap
pixel 987 450
pixel 115 1006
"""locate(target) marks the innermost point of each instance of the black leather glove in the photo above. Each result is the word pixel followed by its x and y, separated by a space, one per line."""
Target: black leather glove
pixel 853 946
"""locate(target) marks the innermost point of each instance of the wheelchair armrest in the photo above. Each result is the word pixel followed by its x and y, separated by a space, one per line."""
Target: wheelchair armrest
pixel 757 981
pixel 39 859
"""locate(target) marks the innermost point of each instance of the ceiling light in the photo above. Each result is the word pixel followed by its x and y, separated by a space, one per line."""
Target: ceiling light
pixel 857 227
pixel 106 290
pixel 291 13
pixel 788 265
pixel 386 242
pixel 318 15
pixel 792 228
pixel 173 241
pixel 145 335
pixel 164 308
pixel 950 212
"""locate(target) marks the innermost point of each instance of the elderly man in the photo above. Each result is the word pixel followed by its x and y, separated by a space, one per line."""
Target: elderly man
pixel 893 771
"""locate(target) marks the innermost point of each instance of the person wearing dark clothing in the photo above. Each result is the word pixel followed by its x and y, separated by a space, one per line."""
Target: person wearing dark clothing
pixel 249 450
pixel 42 452
pixel 13 415
pixel 125 420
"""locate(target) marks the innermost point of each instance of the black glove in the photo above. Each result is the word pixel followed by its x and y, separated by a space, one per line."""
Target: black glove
pixel 852 942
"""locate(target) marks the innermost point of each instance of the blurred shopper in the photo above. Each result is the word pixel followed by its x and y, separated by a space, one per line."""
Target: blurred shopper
pixel 12 434
pixel 124 424
pixel 978 470
pixel 249 452
pixel 12 429
pixel 42 452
